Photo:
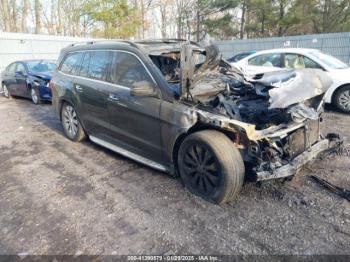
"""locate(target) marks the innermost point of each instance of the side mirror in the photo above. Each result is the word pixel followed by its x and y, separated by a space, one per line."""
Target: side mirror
pixel 19 73
pixel 143 88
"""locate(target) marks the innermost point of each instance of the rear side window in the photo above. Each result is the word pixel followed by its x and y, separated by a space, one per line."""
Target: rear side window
pixel 11 68
pixel 127 70
pixel 269 60
pixel 96 64
pixel 297 61
pixel 311 64
pixel 71 63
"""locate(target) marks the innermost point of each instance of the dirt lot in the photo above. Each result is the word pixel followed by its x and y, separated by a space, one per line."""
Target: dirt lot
pixel 60 197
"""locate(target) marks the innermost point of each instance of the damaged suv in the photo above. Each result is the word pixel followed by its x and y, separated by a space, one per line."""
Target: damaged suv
pixel 180 108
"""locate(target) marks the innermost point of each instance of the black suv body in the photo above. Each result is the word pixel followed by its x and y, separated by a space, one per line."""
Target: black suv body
pixel 179 108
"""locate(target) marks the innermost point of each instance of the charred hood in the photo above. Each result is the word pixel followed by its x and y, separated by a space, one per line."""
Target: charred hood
pixel 207 81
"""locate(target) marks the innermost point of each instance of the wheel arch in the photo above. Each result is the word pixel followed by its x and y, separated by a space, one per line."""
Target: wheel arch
pixel 30 83
pixel 196 128
pixel 337 89
pixel 29 86
pixel 63 101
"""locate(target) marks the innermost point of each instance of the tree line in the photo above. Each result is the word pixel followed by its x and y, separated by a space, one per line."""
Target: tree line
pixel 190 19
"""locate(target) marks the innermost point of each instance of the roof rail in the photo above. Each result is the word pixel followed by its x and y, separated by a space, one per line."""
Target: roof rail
pixel 105 41
pixel 162 40
pixel 81 43
pixel 166 40
pixel 134 43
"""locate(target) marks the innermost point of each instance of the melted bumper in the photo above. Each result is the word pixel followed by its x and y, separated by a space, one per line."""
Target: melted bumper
pixel 294 166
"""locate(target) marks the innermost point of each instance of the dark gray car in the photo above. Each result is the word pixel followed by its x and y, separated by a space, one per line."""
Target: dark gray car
pixel 180 108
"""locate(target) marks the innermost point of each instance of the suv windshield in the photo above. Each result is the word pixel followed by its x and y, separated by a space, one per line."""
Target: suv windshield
pixel 41 66
pixel 330 61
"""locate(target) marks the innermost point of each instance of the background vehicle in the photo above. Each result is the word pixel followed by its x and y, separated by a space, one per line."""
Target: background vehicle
pixel 240 56
pixel 299 58
pixel 177 107
pixel 29 79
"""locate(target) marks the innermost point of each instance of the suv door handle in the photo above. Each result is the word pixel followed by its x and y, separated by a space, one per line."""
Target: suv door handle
pixel 79 88
pixel 113 97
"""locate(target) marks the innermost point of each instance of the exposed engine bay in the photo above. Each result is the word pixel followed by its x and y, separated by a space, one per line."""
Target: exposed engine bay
pixel 275 117
pixel 274 99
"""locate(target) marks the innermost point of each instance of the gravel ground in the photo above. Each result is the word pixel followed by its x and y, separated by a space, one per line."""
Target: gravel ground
pixel 59 197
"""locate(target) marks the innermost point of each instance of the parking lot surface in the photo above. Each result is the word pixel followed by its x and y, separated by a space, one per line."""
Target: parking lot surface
pixel 60 197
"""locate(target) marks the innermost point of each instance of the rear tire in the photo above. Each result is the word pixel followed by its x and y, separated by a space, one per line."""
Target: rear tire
pixel 211 167
pixel 71 124
pixel 342 99
pixel 35 96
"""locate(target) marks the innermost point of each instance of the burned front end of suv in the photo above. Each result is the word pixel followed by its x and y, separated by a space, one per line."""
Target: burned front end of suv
pixel 274 120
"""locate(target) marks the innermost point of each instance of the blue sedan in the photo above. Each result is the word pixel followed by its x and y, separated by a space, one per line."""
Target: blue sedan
pixel 28 79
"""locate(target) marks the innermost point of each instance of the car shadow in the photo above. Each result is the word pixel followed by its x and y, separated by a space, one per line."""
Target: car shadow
pixel 331 109
pixel 45 115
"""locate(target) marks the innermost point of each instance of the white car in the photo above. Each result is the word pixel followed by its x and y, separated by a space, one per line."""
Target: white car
pixel 299 58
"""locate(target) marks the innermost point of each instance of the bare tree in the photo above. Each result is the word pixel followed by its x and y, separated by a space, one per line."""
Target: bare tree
pixel 14 16
pixel 75 17
pixel 37 8
pixel 164 24
pixel 25 10
pixel 198 21
pixel 144 6
pixel 164 5
pixel 6 15
pixel 243 17
pixel 48 18
pixel 182 9
pixel 59 30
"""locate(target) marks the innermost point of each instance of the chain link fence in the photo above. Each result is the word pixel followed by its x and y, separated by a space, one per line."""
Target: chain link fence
pixel 336 44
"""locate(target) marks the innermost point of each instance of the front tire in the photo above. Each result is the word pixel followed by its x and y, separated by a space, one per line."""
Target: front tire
pixel 342 99
pixel 211 167
pixel 35 96
pixel 6 91
pixel 71 124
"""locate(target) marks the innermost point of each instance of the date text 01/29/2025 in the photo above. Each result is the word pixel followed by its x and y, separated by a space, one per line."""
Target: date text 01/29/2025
pixel 173 258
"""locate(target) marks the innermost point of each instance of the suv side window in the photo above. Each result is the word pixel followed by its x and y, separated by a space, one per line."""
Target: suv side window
pixel 269 60
pixel 127 70
pixel 84 70
pixel 71 63
pixel 96 64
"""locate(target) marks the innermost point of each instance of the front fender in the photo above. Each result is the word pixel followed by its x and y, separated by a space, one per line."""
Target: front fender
pixel 30 80
pixel 328 98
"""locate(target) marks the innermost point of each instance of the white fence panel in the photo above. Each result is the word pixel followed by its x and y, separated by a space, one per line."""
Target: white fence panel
pixel 14 46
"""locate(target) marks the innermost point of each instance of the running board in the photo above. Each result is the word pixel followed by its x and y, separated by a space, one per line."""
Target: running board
pixel 129 154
